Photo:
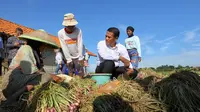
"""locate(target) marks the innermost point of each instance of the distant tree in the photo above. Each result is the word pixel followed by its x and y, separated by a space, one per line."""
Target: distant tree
pixel 152 68
pixel 187 67
pixel 165 68
pixel 179 67
pixel 171 67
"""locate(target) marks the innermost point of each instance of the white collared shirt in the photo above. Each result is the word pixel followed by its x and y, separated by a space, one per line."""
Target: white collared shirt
pixel 106 52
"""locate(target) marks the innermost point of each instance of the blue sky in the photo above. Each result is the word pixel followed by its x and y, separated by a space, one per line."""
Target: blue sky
pixel 169 30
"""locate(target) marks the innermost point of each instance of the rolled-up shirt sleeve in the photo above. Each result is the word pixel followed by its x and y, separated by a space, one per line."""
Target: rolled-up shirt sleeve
pixel 124 53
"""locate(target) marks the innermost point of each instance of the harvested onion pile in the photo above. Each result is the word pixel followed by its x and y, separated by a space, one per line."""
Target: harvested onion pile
pixel 52 97
pixel 140 101
pixel 128 97
pixel 59 97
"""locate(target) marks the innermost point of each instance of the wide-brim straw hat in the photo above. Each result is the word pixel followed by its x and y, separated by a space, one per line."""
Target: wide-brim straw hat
pixel 40 36
pixel 69 20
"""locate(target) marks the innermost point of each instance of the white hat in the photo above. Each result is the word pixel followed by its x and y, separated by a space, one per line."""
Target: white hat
pixel 69 20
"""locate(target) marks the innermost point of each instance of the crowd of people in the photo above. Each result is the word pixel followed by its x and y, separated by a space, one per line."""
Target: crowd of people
pixel 26 62
pixel 72 58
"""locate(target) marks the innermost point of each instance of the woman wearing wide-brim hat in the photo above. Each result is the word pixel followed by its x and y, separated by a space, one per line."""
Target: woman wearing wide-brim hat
pixel 24 72
pixel 72 45
pixel 39 40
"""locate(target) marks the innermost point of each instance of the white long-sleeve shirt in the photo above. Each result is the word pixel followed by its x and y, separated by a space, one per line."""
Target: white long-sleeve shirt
pixel 133 42
pixel 106 52
pixel 72 44
pixel 59 58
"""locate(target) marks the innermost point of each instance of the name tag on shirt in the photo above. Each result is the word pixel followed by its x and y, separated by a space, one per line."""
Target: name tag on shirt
pixel 71 41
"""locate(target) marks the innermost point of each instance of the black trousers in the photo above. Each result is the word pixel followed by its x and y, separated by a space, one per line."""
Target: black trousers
pixel 108 66
pixel 9 61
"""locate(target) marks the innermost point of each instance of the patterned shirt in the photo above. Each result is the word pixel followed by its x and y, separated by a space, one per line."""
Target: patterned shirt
pixel 12 49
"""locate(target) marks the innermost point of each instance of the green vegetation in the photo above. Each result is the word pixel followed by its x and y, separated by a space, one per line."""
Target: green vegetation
pixel 172 68
pixel 168 69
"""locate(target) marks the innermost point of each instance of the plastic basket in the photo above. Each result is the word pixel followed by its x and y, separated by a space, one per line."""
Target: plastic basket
pixel 101 78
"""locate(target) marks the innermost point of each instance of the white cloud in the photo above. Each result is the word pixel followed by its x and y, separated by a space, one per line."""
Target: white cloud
pixel 148 50
pixel 169 39
pixel 191 35
pixel 165 40
pixel 164 48
pixel 196 40
pixel 165 43
pixel 168 43
pixel 147 39
pixel 185 58
pixel 146 44
pixel 196 45
pixel 196 48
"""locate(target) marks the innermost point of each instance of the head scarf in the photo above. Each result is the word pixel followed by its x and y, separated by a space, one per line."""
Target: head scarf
pixel 130 28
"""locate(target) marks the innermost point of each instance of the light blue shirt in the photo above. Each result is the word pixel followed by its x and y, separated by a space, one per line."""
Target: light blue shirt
pixel 133 42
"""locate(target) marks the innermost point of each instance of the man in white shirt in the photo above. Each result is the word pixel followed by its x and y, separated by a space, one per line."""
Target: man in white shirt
pixel 72 45
pixel 111 53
